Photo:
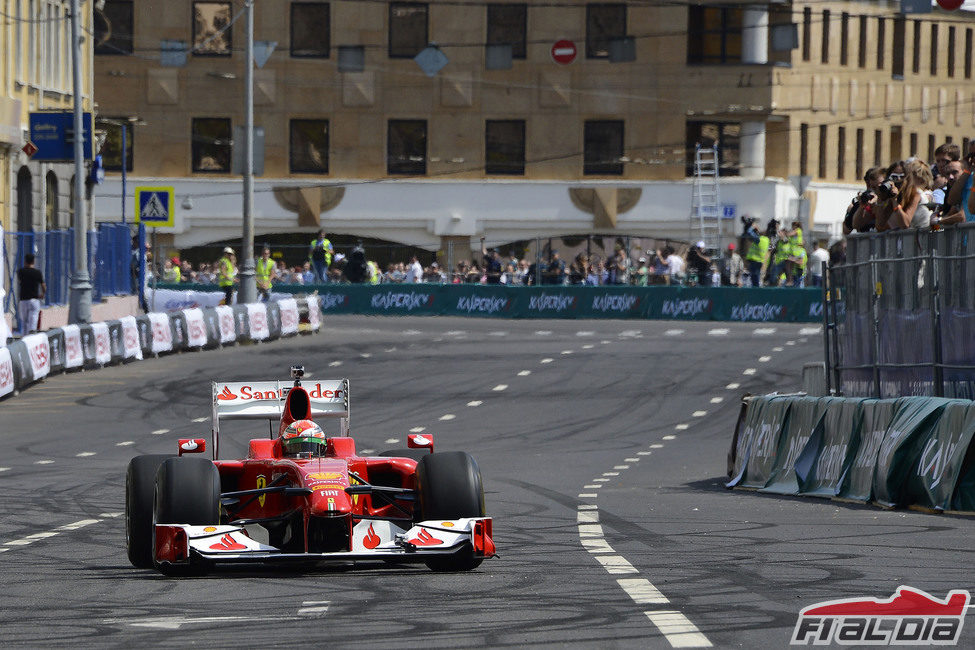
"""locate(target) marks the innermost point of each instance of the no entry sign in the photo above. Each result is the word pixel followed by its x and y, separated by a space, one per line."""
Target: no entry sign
pixel 564 52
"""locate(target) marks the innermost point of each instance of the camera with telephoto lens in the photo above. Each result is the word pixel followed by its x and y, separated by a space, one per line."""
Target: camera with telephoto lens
pixel 886 189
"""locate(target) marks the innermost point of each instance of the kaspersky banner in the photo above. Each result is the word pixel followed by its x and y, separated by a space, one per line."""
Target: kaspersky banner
pixel 763 446
pixel 913 423
pixel 938 464
pixel 805 420
pixel 826 460
pixel 877 415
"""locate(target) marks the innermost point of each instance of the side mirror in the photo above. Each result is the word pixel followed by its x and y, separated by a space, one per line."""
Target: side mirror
pixel 419 441
pixel 192 446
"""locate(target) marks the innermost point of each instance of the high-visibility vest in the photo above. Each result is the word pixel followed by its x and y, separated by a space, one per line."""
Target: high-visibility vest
pixel 782 251
pixel 373 272
pixel 173 275
pixel 795 243
pixel 757 249
pixel 225 272
pixel 264 269
pixel 326 246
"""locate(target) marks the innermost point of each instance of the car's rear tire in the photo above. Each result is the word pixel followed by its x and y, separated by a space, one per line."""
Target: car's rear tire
pixel 140 487
pixel 415 454
pixel 187 492
pixel 449 486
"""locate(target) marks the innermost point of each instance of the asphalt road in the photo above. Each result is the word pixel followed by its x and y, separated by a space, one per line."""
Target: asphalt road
pixel 603 448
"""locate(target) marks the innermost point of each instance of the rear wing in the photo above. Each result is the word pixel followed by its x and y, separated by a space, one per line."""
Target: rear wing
pixel 264 400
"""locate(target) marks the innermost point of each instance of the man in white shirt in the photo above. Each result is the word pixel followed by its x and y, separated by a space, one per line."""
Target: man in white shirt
pixel 815 267
pixel 675 265
pixel 415 272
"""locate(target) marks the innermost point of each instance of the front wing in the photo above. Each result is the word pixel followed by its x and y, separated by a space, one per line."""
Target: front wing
pixel 180 544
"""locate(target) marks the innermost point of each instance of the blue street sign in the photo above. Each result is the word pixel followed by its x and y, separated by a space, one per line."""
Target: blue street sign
pixel 51 133
pixel 154 206
pixel 729 211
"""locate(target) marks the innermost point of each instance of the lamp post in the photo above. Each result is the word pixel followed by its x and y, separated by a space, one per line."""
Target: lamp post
pixel 79 305
pixel 248 284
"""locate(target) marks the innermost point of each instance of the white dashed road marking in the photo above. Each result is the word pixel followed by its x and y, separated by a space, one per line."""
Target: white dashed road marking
pixel 524 373
pixel 719 331
pixel 79 524
pixel 764 359
pixel 313 608
pixel 498 333
pixel 631 460
pixel 611 473
pixel 43 462
pixel 85 454
pixel 681 427
pixel 366 452
pixel 4 469
pixel 334 364
pixel 418 429
pixel 678 629
pixel 124 443
pixel 656 446
pixel 392 441
pixel 642 592
pixel 699 414
pixel 616 564
pixel 673 332
pixel 546 360
pixel 475 402
pixel 566 351
pixel 543 332
pixel 500 387
pixel 717 400
pixel 809 331
pixel 778 348
pixel 205 419
pixel 448 416
pixel 643 453
pixel 748 371
pixel 588 495
pixel 585 333
pixel 621 467
pixel 588 346
pixel 159 432
pixel 764 331
pixel 365 355
pixel 668 437
pixel 591 487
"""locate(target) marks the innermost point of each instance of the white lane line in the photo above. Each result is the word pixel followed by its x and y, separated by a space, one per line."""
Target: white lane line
pixel 448 416
pixel 455 333
pixel 808 331
pixel 125 443
pixel 79 524
pixel 585 333
pixel 4 549
pixel 365 355
pixel 778 349
pixel 600 480
pixel 313 608
pixel 588 346
pixel 4 469
pixel 500 387
pixel 524 373
pixel 85 454
pixel 43 462
pixel 699 414
pixel 592 486
pixel 566 351
pixel 748 371
pixel 682 427
pixel 386 350
pixel 588 495
pixel 587 506
pixel 205 419
pixel 764 331
pixel 498 333
pixel 733 385
pixel 621 467
pixel 633 459
pixel 790 342
pixel 44 535
pixel 642 592
pixel 334 364
pixel 391 441
pixel 412 332
pixel 587 517
pixel 657 446
pixel 643 453
pixel 611 473
pixel 764 359
pixel 175 622
pixel 604 342
pixel 418 429
pixel 110 515
pixel 717 400
pixel 673 332
pixel 547 360
pixel 631 334
pixel 366 452
pixel 475 402
pixel 719 331
pixel 159 432
pixel 668 437
pixel 596 545
pixel 543 332
pixel 590 530
pixel 616 564
pixel 678 630
pixel 19 542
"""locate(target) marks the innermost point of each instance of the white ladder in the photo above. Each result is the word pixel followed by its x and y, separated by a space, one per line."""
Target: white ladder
pixel 705 197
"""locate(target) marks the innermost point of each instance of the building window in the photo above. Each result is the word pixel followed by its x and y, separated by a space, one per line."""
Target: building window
pixel 309 147
pixel 913 140
pixel 931 146
pixel 407 29
pixel 806 33
pixel 878 148
pixel 508 25
pixel 604 22
pixel 51 209
pixel 916 63
pixel 844 38
pixel 824 49
pixel 862 49
pixel 406 147
pixel 504 147
pixel 714 35
pixel 900 29
pixel 822 151
pixel 881 45
pixel 310 30
pixel 723 135
pixel 114 26
pixel 968 53
pixel 111 151
pixel 212 145
pixel 841 152
pixel 951 51
pixel 212 30
pixel 859 159
pixel 603 147
pixel 935 46
pixel 803 149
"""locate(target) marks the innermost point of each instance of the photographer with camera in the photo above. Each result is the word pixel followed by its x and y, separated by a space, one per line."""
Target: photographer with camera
pixel 755 249
pixel 886 192
pixel 863 204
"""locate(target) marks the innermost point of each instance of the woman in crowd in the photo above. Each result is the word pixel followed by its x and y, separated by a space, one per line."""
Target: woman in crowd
pixel 908 209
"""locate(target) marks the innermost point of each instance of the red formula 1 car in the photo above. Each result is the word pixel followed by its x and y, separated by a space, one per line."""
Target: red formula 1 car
pixel 301 496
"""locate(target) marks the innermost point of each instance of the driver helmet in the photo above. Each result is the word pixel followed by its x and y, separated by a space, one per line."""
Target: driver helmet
pixel 303 439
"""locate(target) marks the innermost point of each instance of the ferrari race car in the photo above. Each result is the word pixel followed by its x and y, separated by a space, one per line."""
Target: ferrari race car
pixel 300 496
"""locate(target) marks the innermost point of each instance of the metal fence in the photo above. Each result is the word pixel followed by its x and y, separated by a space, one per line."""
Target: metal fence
pixel 900 314
pixel 108 264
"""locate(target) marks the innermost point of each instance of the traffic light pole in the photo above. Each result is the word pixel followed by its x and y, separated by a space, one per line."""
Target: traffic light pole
pixel 248 284
pixel 79 305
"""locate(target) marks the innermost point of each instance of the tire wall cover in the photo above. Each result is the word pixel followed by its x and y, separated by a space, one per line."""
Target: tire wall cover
pixel 241 322
pixel 7 382
pixel 196 328
pixel 103 343
pixel 73 356
pixel 145 333
pixel 55 340
pixel 23 375
pixel 87 345
pixel 177 323
pixel 273 320
pixel 212 321
pixel 116 341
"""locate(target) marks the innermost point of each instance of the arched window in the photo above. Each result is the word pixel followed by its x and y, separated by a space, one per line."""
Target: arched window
pixel 25 201
pixel 51 208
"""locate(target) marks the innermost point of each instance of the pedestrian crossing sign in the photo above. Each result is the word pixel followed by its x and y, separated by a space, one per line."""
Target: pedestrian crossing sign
pixel 154 206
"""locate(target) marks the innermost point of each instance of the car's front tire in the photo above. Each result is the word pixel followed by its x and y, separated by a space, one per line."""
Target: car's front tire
pixel 450 487
pixel 140 487
pixel 187 492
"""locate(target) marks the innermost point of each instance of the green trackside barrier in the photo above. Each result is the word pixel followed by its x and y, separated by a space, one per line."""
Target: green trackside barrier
pixel 877 415
pixel 805 420
pixel 912 425
pixel 939 461
pixel 758 441
pixel 825 462
pixel 766 305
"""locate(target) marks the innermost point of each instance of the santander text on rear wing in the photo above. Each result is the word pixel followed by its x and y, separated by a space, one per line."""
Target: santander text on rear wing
pixel 265 400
